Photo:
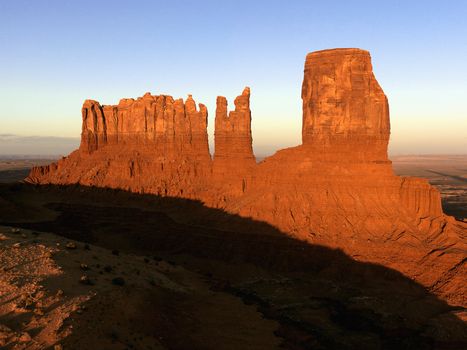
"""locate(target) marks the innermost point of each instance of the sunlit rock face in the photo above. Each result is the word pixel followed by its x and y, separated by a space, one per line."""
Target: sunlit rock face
pixel 154 144
pixel 234 161
pixel 167 124
pixel 344 108
pixel 336 189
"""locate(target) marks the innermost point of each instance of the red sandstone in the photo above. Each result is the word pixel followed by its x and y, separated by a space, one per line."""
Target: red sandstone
pixel 336 189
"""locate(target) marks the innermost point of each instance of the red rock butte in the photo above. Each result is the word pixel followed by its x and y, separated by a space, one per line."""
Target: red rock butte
pixel 336 189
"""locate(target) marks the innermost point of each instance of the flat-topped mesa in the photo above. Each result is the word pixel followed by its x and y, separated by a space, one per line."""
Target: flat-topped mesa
pixel 336 189
pixel 345 110
pixel 150 144
pixel 167 124
pixel 233 157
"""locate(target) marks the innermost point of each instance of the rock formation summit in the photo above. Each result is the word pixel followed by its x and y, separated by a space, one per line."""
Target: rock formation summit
pixel 336 189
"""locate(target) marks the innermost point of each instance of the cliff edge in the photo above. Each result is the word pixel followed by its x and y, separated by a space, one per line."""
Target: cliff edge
pixel 336 189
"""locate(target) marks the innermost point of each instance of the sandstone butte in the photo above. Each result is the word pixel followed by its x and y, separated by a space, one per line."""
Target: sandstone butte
pixel 336 189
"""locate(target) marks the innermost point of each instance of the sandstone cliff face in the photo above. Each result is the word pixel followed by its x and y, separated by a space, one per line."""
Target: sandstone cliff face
pixel 344 108
pixel 336 189
pixel 234 161
pixel 170 125
pixel 154 144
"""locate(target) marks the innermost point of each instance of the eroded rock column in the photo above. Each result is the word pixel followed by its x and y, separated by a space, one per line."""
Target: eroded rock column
pixel 233 156
pixel 93 133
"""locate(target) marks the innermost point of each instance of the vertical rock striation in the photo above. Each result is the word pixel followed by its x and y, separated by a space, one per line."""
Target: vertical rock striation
pixel 170 125
pixel 94 131
pixel 336 189
pixel 234 161
pixel 152 144
pixel 345 111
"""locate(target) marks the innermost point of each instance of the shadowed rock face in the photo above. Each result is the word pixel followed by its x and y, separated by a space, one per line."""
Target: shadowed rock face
pixel 336 189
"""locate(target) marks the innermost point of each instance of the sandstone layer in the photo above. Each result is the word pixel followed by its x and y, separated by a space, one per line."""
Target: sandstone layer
pixel 336 189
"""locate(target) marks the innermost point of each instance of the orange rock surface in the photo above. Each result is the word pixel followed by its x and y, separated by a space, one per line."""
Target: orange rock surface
pixel 234 161
pixel 336 189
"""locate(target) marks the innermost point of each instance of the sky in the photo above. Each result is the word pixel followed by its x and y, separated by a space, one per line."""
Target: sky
pixel 56 54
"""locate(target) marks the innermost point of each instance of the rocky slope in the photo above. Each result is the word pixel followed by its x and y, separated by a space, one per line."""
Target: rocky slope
pixel 57 293
pixel 180 273
pixel 336 189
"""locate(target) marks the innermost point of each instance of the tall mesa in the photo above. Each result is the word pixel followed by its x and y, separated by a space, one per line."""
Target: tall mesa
pixel 336 189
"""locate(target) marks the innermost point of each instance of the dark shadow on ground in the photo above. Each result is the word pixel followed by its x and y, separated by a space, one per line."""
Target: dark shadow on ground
pixel 13 175
pixel 321 297
pixel 455 177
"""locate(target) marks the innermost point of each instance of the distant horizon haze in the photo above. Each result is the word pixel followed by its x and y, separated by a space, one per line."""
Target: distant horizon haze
pixel 53 147
pixel 58 55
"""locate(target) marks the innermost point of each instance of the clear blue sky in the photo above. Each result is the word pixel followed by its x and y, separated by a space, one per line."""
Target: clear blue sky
pixel 55 54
